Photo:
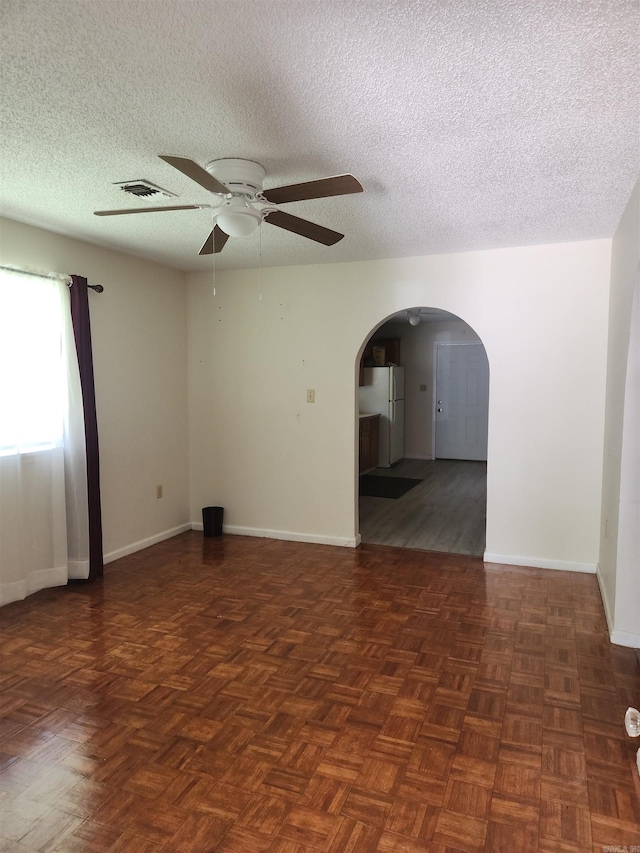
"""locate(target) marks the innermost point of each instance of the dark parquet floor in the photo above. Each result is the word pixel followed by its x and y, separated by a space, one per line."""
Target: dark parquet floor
pixel 255 696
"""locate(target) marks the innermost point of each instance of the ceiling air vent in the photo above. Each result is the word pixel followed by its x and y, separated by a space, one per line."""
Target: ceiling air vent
pixel 142 188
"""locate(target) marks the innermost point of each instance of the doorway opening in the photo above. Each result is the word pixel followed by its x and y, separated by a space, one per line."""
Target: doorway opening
pixel 432 493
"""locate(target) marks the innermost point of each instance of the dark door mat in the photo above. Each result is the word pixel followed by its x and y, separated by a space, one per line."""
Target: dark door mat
pixel 372 486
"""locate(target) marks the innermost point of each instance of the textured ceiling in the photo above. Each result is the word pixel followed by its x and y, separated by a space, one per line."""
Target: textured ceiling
pixel 470 123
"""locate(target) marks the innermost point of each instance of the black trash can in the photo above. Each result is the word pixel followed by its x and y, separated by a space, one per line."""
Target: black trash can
pixel 212 520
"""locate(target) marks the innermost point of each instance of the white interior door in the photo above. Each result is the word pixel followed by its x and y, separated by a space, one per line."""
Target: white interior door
pixel 462 401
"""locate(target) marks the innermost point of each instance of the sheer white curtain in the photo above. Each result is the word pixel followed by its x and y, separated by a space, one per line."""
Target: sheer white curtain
pixel 44 538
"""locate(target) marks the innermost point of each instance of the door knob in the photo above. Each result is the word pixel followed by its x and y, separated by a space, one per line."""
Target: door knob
pixel 439 402
pixel 439 410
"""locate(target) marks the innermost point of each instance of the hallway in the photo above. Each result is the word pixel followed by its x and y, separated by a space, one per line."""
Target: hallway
pixel 445 512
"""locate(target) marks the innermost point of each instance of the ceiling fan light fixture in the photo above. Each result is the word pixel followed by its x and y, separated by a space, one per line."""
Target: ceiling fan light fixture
pixel 238 221
pixel 414 319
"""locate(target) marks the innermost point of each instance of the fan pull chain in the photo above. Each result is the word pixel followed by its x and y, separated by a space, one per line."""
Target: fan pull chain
pixel 213 225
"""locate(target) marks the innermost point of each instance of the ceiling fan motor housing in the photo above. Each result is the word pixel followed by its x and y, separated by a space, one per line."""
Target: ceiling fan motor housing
pixel 244 178
pixel 240 176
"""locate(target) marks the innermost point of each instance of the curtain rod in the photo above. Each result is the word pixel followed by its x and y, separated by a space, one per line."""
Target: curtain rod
pixel 97 287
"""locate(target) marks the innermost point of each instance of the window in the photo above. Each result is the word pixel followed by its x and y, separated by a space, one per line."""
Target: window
pixel 32 363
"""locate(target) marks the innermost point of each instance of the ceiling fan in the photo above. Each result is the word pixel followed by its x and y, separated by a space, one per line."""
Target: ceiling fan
pixel 242 204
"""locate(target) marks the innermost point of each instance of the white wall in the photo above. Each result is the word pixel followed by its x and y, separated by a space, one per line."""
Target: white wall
pixel 417 358
pixel 284 467
pixel 139 338
pixel 619 572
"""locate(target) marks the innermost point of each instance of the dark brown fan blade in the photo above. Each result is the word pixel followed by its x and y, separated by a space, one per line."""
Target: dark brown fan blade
pixel 322 188
pixel 191 169
pixel 303 227
pixel 144 210
pixel 214 242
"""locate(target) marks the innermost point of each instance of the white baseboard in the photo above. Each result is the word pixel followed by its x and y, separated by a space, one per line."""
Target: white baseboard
pixel 540 563
pixel 146 543
pixel 290 536
pixel 608 612
pixel 624 638
pixel 420 458
pixel 285 534
pixel 620 638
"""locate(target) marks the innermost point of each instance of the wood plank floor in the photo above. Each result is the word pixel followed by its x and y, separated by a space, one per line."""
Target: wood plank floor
pixel 446 512
pixel 249 695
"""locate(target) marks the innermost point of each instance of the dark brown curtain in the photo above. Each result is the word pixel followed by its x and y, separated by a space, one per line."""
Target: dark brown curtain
pixel 82 334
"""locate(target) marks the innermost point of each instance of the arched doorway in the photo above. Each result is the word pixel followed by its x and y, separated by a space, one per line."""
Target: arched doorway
pixel 444 505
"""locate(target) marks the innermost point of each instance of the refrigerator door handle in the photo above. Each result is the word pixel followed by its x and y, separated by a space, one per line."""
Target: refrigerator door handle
pixel 393 413
pixel 394 393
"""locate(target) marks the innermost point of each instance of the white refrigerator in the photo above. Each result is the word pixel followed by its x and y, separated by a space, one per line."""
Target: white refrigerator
pixel 383 393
